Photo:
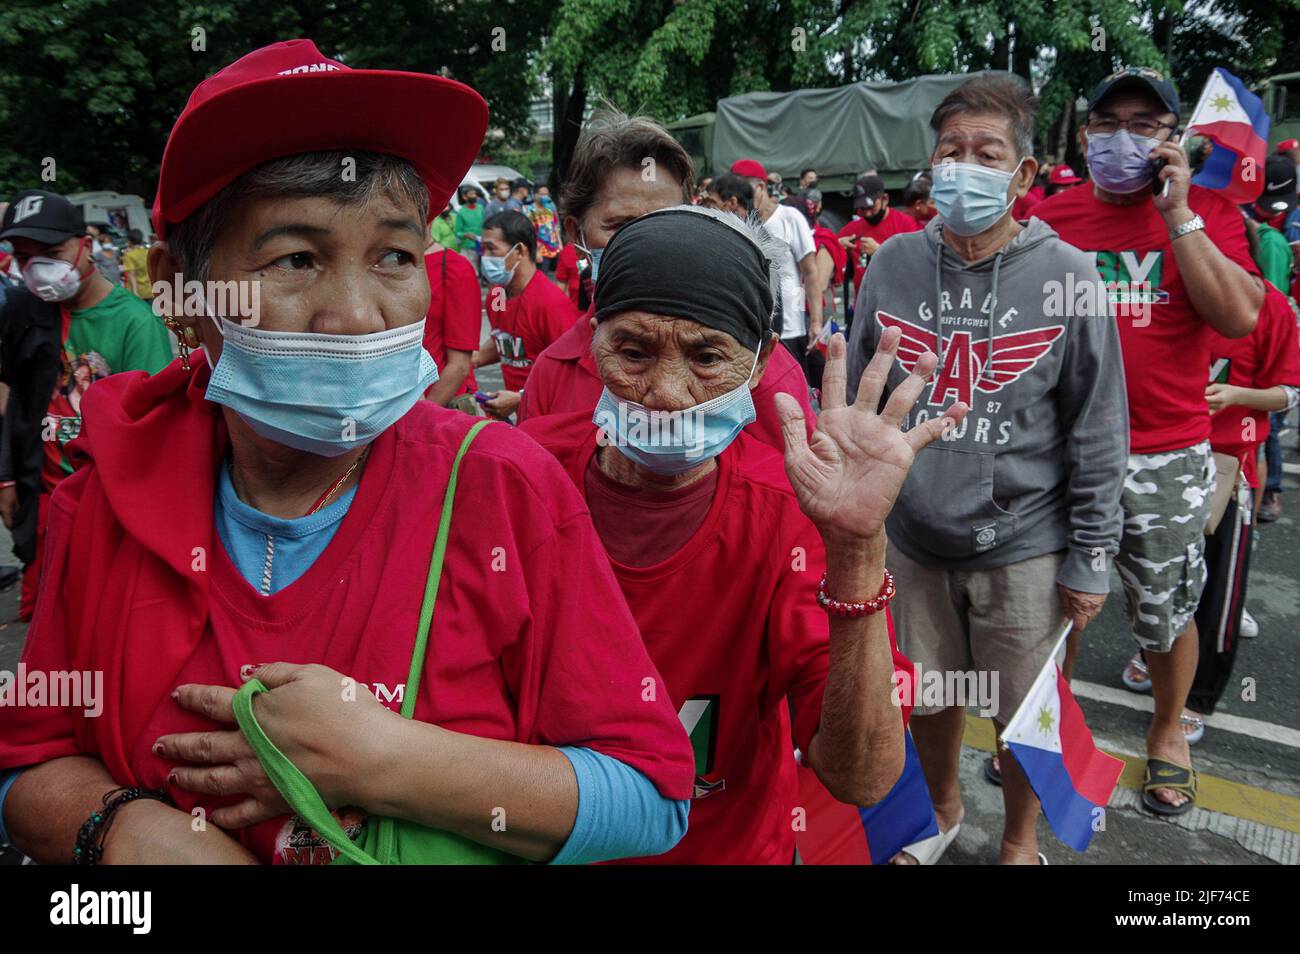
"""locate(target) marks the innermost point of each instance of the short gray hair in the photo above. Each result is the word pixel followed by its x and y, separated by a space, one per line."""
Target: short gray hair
pixel 993 96
pixel 301 176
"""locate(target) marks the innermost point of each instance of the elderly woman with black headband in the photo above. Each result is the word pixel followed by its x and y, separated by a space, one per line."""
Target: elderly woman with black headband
pixel 753 579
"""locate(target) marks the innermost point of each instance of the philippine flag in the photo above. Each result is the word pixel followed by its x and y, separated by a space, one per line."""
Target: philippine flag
pixel 1070 775
pixel 840 834
pixel 1236 123
pixel 823 341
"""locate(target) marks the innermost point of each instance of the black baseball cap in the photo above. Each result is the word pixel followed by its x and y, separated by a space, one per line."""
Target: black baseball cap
pixel 867 190
pixel 44 217
pixel 1140 77
pixel 1279 185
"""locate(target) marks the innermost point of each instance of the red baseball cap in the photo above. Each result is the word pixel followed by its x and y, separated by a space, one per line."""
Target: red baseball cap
pixel 288 98
pixel 1062 174
pixel 749 168
pixel 1286 145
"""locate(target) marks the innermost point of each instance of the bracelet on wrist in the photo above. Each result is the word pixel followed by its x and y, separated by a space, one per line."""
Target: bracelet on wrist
pixel 854 609
pixel 89 847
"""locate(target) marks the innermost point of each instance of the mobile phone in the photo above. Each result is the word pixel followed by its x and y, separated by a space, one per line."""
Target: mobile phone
pixel 481 397
pixel 1157 185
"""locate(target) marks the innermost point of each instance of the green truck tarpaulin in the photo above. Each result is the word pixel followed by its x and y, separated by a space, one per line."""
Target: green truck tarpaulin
pixel 839 132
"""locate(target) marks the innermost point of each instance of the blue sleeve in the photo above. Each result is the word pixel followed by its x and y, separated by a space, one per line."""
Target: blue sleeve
pixel 620 812
pixel 7 779
pixel 1293 227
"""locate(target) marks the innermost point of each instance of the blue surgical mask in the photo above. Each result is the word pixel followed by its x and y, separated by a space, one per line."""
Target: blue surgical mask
pixel 593 254
pixel 673 442
pixel 970 197
pixel 495 271
pixel 323 394
pixel 1120 162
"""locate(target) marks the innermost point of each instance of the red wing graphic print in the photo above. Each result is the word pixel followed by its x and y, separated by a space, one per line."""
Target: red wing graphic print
pixel 915 341
pixel 1013 355
pixel 966 361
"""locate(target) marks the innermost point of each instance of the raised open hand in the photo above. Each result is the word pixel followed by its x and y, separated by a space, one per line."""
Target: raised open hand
pixel 848 475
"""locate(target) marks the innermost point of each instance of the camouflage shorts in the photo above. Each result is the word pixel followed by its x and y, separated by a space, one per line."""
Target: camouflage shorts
pixel 1161 561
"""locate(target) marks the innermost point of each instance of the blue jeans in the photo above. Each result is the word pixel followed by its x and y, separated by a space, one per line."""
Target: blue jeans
pixel 1273 451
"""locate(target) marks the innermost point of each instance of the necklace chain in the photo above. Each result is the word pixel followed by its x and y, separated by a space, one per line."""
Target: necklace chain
pixel 323 499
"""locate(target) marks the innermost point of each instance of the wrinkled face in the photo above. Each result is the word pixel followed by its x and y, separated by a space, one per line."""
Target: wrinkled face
pixel 670 364
pixel 624 195
pixel 983 139
pixel 323 267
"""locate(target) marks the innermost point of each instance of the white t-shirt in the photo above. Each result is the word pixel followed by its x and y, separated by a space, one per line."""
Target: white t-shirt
pixel 792 228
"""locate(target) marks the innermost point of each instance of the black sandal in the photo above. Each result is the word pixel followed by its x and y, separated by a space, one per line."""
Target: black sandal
pixel 1170 775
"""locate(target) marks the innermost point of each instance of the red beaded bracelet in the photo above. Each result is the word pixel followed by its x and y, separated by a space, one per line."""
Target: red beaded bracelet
pixel 854 610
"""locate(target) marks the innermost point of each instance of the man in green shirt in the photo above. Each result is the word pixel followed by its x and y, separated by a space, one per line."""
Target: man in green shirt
pixel 67 329
pixel 469 226
pixel 443 230
pixel 1274 257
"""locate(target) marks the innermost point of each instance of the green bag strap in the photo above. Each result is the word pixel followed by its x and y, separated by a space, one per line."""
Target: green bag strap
pixel 288 780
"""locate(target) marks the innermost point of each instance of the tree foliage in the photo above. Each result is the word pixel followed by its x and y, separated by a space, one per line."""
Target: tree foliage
pixel 97 84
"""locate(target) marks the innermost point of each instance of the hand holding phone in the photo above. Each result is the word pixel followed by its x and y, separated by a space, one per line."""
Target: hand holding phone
pixel 1158 185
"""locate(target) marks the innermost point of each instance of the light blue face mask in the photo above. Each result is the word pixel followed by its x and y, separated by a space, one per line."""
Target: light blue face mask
pixel 970 197
pixel 323 394
pixel 673 442
pixel 495 271
pixel 593 254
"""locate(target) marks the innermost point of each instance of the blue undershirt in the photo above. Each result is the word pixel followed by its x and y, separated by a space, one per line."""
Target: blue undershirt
pixel 620 812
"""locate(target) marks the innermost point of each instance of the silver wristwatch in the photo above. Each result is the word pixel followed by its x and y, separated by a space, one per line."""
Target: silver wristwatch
pixel 1194 224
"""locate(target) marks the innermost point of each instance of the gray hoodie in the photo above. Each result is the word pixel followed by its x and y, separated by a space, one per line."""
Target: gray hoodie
pixel 1038 464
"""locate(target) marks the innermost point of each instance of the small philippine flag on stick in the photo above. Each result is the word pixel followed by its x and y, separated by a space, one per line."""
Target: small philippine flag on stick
pixel 1072 778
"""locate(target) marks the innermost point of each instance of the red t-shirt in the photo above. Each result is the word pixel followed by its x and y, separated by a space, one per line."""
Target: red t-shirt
pixel 522 327
pixel 568 271
pixel 564 379
pixel 827 239
pixel 1167 352
pixel 892 224
pixel 754 634
pixel 1024 206
pixel 531 641
pixel 753 637
pixel 1267 357
pixel 455 316
pixel 644 527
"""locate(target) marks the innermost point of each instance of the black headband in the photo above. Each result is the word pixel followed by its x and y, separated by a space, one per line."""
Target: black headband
pixel 685 264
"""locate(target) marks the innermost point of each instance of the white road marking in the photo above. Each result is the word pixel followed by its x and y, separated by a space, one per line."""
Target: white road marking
pixel 1267 731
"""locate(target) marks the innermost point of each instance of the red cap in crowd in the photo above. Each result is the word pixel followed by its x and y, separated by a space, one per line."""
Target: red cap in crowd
pixel 749 168
pixel 1063 175
pixel 288 98
pixel 1286 145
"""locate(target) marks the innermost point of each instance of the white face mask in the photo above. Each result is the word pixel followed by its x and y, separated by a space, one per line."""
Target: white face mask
pixel 51 279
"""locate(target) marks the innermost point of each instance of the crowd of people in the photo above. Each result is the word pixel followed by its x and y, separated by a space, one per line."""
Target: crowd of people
pixel 673 570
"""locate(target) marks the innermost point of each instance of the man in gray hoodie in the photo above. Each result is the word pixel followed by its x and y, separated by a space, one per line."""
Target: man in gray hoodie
pixel 1007 528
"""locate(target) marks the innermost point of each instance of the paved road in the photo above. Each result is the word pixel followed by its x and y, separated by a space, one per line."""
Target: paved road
pixel 1251 777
